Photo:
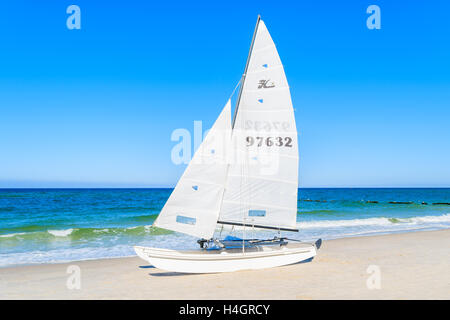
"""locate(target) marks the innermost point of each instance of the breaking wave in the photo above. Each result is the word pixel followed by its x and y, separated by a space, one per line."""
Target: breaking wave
pixel 83 233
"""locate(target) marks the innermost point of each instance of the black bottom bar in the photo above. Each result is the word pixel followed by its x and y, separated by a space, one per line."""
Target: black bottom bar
pixel 256 226
pixel 225 309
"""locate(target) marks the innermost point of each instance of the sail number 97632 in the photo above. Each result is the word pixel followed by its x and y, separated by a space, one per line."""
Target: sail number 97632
pixel 269 141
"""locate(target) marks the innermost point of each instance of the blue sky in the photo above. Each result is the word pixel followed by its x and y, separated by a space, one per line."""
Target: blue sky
pixel 96 107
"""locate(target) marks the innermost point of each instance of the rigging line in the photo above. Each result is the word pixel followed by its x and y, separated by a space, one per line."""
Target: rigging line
pixel 290 239
pixel 317 243
pixel 242 203
pixel 234 90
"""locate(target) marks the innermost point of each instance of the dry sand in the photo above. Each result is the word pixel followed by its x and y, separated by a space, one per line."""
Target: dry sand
pixel 412 266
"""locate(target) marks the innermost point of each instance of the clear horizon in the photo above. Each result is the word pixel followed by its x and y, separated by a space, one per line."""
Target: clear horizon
pixel 171 187
pixel 96 107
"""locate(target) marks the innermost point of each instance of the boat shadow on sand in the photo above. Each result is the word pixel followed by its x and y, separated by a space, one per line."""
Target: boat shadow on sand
pixel 146 267
pixel 173 274
pixel 164 274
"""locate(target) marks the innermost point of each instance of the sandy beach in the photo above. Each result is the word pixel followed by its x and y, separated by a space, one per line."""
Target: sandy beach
pixel 412 265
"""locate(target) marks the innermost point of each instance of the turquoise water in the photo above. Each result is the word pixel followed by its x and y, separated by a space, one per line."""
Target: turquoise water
pixel 55 225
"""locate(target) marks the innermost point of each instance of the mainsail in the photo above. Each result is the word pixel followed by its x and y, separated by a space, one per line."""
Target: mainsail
pixel 262 180
pixel 245 174
pixel 194 205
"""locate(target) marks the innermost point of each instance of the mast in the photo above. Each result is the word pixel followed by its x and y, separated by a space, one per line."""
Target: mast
pixel 245 72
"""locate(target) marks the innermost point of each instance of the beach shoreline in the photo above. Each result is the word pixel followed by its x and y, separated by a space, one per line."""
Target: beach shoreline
pixel 411 265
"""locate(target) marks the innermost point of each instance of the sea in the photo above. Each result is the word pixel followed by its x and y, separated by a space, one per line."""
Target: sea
pixel 60 225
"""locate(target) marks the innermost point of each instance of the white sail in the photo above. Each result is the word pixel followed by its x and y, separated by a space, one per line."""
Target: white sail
pixel 262 181
pixel 194 205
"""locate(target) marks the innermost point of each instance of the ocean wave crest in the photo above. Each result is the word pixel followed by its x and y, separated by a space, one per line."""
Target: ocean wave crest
pixel 60 233
pixel 83 233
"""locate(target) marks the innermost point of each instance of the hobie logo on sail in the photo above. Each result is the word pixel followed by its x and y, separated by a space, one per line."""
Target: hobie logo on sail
pixel 264 84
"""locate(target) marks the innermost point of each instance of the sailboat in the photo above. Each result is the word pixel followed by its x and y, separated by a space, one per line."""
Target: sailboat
pixel 243 176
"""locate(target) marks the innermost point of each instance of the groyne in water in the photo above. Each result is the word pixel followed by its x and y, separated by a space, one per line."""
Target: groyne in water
pixel 389 202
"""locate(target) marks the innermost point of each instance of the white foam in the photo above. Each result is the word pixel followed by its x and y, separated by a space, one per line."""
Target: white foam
pixel 64 255
pixel 60 233
pixel 102 230
pixel 373 222
pixel 11 235
pixel 443 218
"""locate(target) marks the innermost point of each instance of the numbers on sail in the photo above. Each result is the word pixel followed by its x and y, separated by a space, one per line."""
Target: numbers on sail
pixel 267 125
pixel 288 142
pixel 269 141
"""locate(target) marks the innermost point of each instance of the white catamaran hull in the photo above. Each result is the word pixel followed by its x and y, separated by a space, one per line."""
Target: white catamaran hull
pixel 213 261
